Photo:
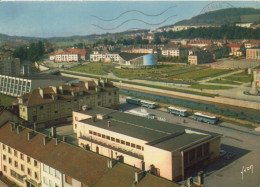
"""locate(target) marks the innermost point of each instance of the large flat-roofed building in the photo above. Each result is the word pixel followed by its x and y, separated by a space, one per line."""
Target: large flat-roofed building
pixel 253 53
pixel 32 159
pixel 9 65
pixel 104 57
pixel 18 85
pixel 170 52
pixel 64 57
pixel 53 105
pixel 138 60
pixel 168 150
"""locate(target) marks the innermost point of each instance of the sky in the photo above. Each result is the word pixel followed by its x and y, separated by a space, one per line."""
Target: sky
pixel 51 19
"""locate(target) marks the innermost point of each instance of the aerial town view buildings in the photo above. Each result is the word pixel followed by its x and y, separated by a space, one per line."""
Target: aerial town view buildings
pixel 92 101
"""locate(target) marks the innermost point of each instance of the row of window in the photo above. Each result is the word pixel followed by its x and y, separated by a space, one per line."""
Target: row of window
pixel 13 81
pixel 123 142
pixel 49 182
pixel 51 171
pixel 15 153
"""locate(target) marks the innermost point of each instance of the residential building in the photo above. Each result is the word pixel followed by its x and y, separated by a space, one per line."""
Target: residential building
pixel 200 57
pixel 253 53
pixel 64 57
pixel 103 57
pixel 9 114
pixel 199 43
pixel 18 85
pixel 32 159
pixel 81 52
pixel 256 74
pixel 171 52
pixel 246 25
pixel 140 50
pixel 9 65
pixel 234 48
pixel 167 150
pixel 53 105
pixel 138 60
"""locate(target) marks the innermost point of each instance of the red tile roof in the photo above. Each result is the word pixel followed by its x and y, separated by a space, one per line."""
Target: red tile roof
pixel 81 52
pixel 73 161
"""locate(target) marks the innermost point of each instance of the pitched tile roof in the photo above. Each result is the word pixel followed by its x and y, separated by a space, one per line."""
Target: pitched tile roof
pixel 82 165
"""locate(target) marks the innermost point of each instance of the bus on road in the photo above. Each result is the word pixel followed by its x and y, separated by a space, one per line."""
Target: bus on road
pixel 205 118
pixel 177 111
pixel 148 104
pixel 133 100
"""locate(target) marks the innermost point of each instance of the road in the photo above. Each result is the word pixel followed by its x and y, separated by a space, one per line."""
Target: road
pixel 243 142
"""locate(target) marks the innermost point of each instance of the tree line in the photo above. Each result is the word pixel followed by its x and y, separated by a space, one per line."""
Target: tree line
pixel 225 31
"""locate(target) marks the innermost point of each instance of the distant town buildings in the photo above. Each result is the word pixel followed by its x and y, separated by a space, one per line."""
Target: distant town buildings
pixel 253 53
pixel 53 105
pixel 81 52
pixel 18 85
pixel 199 43
pixel 9 65
pixel 137 60
pixel 200 57
pixel 235 49
pixel 256 74
pixel 64 57
pixel 167 150
pixel 139 50
pixel 171 52
pixel 246 25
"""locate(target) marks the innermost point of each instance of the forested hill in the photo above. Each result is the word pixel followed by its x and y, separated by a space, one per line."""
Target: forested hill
pixel 221 17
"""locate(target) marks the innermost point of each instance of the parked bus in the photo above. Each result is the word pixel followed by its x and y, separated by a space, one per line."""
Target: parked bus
pixel 148 104
pixel 205 118
pixel 177 111
pixel 133 100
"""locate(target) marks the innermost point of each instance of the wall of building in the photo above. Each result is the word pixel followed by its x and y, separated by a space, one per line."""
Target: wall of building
pixel 50 176
pixel 74 183
pixel 161 159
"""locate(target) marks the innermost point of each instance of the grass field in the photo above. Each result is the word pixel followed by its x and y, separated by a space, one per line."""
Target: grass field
pixel 6 100
pixel 224 81
pixel 240 77
pixel 209 87
pixel 97 68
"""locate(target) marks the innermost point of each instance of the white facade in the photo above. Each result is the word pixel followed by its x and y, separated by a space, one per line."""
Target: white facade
pixel 171 52
pixel 104 57
pixel 64 57
pixel 50 177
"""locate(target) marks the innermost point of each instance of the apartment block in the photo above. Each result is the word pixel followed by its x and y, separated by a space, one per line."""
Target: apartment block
pixel 53 105
pixel 18 85
pixel 9 65
pixel 171 52
pixel 32 159
pixel 64 57
pixel 97 57
pixel 253 53
pixel 167 150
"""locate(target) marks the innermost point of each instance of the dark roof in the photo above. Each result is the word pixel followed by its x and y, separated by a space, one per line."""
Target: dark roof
pixel 257 67
pixel 73 161
pixel 154 181
pixel 130 56
pixel 149 130
pixel 121 175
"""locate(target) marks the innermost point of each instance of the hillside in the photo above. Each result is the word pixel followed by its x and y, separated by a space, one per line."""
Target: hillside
pixel 221 17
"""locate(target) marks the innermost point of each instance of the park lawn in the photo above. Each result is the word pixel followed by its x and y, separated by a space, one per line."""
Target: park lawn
pixel 97 68
pixel 6 100
pixel 223 81
pixel 240 77
pixel 209 87
pixel 202 73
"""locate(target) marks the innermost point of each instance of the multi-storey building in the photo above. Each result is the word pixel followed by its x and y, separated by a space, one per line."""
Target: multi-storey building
pixel 173 52
pixel 32 159
pixel 81 52
pixel 200 57
pixel 9 66
pixel 168 150
pixel 138 60
pixel 64 57
pixel 253 53
pixel 18 85
pixel 47 106
pixel 104 57
pixel 256 74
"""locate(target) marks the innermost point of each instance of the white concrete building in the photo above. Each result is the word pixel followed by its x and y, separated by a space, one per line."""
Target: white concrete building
pixel 97 57
pixel 64 57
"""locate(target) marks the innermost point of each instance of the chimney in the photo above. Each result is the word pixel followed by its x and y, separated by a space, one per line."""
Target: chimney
pixel 53 132
pixel 45 139
pixel 61 89
pixel 111 163
pixel 200 177
pixel 139 176
pixel 19 129
pixel 108 124
pixel 30 135
pixel 64 138
pixel 189 181
pixel 54 88
pixel 86 85
pixel 41 92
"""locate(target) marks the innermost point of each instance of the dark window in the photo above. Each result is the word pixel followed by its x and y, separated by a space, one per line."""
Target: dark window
pixel 90 132
pixel 132 145
pixel 41 107
pixel 192 154
pixel 206 148
pixel 113 139
pixel 128 143
pixel 199 151
pixel 108 137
